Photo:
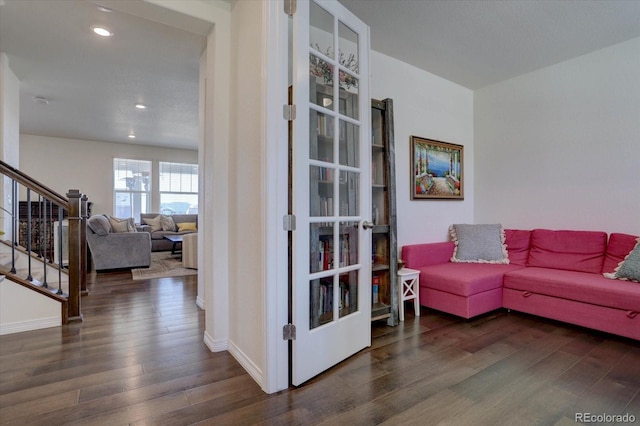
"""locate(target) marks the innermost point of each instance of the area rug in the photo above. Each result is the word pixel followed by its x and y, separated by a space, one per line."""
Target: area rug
pixel 162 265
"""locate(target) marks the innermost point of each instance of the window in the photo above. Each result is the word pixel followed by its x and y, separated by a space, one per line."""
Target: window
pixel 131 187
pixel 178 188
pixel 175 187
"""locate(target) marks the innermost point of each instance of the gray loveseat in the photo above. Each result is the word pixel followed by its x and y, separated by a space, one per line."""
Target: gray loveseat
pixel 158 231
pixel 116 250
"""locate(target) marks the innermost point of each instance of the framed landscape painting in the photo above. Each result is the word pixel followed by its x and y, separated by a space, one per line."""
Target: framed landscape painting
pixel 436 170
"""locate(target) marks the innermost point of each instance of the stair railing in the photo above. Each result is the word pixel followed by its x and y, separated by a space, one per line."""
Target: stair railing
pixel 38 237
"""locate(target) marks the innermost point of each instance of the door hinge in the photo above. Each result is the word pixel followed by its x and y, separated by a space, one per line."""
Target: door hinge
pixel 289 332
pixel 289 222
pixel 290 7
pixel 289 112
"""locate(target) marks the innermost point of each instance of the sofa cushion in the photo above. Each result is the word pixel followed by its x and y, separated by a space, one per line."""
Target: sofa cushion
pixel 620 245
pixel 153 222
pixel 122 225
pixel 159 235
pixel 187 226
pixel 99 224
pixel 418 255
pixel 581 251
pixel 483 243
pixel 464 279
pixel 517 242
pixel 187 217
pixel 167 223
pixel 578 286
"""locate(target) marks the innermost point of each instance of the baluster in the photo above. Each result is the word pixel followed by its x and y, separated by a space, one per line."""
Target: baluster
pixel 59 250
pixel 45 246
pixel 14 230
pixel 39 224
pixel 52 257
pixel 29 245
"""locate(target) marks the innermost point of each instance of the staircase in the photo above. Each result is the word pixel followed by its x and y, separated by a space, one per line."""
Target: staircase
pixel 49 276
pixel 35 292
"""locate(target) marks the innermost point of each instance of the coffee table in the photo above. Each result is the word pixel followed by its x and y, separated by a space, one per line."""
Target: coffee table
pixel 175 239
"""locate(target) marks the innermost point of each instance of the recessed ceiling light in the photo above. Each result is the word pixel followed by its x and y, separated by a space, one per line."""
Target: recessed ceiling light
pixel 141 106
pixel 132 136
pixel 102 8
pixel 102 31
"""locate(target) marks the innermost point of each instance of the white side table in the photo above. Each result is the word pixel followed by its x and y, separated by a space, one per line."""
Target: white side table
pixel 408 289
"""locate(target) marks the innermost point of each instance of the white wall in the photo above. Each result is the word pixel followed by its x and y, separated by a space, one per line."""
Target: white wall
pixel 9 112
pixel 64 164
pixel 32 313
pixel 9 131
pixel 246 190
pixel 431 107
pixel 560 147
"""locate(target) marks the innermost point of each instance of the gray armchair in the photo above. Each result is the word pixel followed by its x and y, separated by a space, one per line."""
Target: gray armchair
pixel 116 250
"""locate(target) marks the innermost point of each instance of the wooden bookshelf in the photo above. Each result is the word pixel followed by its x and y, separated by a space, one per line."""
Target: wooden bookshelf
pixel 384 252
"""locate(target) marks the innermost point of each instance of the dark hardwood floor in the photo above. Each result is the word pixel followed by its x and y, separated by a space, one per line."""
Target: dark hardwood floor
pixel 138 358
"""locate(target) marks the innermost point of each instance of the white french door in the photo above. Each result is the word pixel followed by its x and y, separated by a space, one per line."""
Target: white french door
pixel 331 187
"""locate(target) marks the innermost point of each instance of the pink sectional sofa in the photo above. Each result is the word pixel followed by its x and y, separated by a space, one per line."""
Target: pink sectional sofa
pixel 554 274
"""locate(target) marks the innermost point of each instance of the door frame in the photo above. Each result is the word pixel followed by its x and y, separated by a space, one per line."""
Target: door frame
pixel 276 163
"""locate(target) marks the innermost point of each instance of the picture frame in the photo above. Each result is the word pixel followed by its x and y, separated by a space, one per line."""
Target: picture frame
pixel 437 170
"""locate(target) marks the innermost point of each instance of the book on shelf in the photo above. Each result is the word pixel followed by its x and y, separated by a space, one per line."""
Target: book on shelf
pixel 326 206
pixel 325 255
pixel 325 303
pixel 325 174
pixel 344 250
pixel 344 296
pixel 325 126
pixel 375 281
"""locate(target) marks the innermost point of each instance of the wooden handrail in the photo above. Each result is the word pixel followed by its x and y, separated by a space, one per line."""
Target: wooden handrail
pixel 28 182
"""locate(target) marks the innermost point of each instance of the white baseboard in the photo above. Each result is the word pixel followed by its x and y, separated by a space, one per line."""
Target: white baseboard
pixel 243 360
pixel 215 345
pixel 200 303
pixel 247 364
pixel 37 324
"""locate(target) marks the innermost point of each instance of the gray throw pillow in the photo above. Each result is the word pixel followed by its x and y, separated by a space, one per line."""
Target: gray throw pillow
pixel 478 243
pixel 167 223
pixel 99 224
pixel 629 268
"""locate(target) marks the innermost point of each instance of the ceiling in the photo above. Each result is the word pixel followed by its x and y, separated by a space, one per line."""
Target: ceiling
pixel 476 43
pixel 93 84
